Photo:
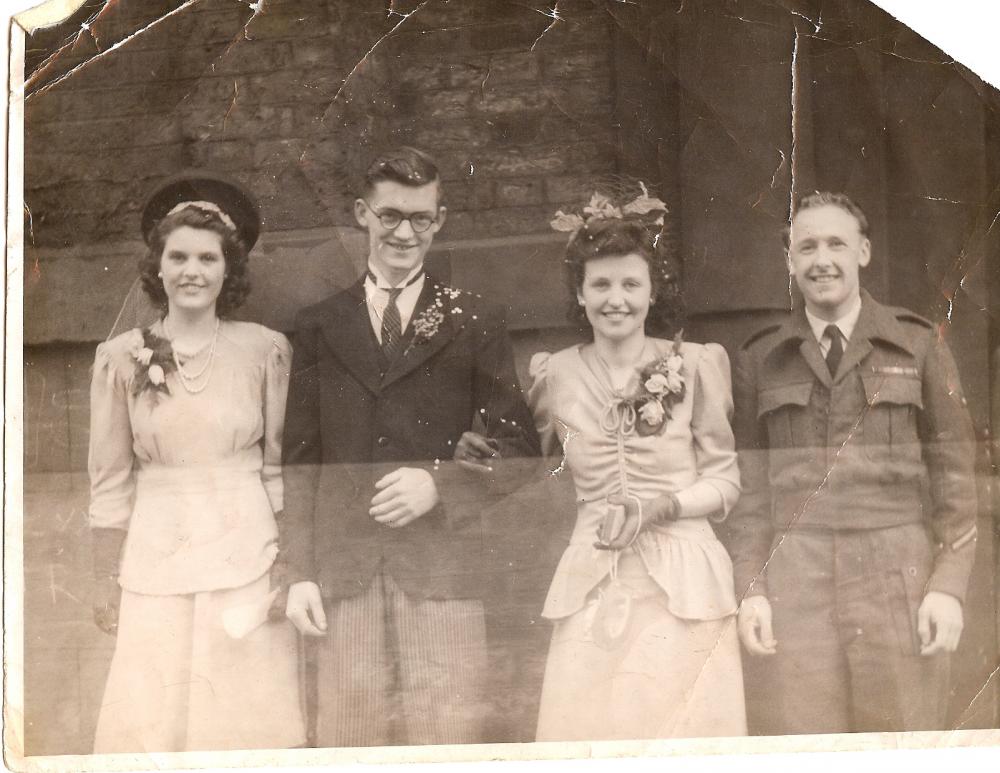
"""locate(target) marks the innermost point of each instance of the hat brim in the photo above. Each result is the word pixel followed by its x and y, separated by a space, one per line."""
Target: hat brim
pixel 203 186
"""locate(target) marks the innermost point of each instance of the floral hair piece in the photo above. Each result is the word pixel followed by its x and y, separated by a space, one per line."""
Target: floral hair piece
pixel 208 206
pixel 602 208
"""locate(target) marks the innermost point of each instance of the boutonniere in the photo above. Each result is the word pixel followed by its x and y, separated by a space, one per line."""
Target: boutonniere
pixel 154 359
pixel 427 324
pixel 661 387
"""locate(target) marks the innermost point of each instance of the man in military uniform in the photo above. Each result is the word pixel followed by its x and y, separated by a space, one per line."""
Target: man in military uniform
pixel 855 535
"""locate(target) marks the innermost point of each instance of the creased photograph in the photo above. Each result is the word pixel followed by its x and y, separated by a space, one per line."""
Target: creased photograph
pixel 496 379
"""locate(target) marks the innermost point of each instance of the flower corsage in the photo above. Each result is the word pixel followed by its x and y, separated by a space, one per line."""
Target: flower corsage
pixel 661 386
pixel 428 322
pixel 154 359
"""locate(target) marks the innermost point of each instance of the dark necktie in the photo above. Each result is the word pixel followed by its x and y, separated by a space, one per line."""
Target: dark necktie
pixel 392 328
pixel 836 348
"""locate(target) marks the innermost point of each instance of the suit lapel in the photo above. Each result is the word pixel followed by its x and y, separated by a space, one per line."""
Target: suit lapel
pixel 419 347
pixel 349 335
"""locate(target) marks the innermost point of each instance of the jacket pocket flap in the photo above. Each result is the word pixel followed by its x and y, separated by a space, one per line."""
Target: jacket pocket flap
pixel 899 390
pixel 772 398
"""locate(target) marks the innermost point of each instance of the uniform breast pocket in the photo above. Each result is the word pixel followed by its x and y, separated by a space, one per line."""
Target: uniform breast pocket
pixel 783 409
pixel 890 425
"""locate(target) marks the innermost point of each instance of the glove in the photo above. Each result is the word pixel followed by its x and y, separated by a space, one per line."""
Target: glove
pixel 623 524
pixel 106 547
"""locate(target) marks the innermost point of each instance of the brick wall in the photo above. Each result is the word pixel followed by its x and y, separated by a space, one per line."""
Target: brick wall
pixel 292 103
pixel 522 110
pixel 293 100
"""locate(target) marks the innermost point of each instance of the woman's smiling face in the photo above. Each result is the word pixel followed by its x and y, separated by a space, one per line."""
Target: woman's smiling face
pixel 194 267
pixel 616 294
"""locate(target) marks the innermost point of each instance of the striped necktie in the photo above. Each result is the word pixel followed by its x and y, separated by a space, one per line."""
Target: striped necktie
pixel 392 329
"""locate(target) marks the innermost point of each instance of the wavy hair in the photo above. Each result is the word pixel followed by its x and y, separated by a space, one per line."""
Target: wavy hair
pixel 235 286
pixel 616 237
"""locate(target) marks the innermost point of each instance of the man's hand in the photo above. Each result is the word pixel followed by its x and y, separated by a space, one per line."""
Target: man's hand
pixel 305 608
pixel 939 623
pixel 403 496
pixel 475 452
pixel 754 625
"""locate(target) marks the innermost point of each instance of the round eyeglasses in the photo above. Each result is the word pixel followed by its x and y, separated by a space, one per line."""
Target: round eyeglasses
pixel 391 219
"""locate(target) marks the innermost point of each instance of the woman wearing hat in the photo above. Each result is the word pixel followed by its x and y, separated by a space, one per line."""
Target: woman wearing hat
pixel 186 420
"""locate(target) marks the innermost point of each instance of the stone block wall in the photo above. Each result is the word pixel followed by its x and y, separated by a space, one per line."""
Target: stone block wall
pixel 293 99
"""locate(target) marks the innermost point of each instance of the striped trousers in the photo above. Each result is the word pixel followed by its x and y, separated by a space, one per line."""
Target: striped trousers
pixel 393 669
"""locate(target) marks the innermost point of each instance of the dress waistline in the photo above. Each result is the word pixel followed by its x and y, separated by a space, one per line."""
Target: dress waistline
pixel 203 477
pixel 692 529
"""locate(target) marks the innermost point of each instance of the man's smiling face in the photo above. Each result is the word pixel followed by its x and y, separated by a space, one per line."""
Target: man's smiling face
pixel 395 252
pixel 826 250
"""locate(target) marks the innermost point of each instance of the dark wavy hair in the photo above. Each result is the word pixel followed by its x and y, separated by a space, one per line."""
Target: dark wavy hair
pixel 615 237
pixel 236 285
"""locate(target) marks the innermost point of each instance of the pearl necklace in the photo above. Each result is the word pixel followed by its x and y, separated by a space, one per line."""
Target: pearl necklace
pixel 188 379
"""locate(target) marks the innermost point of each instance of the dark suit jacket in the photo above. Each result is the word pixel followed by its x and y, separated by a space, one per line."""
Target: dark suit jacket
pixel 352 418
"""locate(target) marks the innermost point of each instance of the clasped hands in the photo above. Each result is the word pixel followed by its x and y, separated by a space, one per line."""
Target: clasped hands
pixel 939 624
pixel 628 516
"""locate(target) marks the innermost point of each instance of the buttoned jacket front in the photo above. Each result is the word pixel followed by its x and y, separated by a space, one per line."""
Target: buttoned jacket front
pixel 352 418
pixel 885 441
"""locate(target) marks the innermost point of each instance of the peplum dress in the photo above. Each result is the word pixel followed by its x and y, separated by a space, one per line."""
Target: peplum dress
pixel 644 642
pixel 195 479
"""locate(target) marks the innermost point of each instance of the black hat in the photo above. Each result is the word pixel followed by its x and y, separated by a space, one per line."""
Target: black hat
pixel 203 185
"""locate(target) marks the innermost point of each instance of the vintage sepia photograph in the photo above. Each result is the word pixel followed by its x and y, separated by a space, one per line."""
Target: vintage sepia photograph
pixel 412 380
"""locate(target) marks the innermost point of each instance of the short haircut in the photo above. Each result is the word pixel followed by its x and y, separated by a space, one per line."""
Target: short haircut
pixel 404 165
pixel 826 199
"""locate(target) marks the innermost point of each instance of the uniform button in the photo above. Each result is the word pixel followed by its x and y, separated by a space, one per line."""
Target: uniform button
pixel 859 632
pixel 912 571
pixel 383 441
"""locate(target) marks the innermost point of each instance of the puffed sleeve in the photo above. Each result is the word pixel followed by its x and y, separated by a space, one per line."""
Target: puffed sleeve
pixel 539 401
pixel 277 367
pixel 110 459
pixel 718 486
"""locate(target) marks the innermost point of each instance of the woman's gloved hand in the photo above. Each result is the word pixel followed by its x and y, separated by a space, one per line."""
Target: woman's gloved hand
pixel 107 546
pixel 629 516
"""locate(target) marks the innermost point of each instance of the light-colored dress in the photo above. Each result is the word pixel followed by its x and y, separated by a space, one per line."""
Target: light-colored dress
pixel 645 642
pixel 195 478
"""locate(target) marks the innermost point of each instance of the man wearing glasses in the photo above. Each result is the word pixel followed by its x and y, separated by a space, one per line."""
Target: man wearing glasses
pixel 381 540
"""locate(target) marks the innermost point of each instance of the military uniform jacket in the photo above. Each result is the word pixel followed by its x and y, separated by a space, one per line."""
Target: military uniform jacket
pixel 885 441
pixel 352 418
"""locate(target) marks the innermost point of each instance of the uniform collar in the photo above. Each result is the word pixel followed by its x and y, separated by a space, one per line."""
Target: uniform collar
pixel 846 323
pixel 874 321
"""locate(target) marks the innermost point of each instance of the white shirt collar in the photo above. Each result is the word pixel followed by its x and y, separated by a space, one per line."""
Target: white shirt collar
pixel 382 284
pixel 846 323
pixel 377 296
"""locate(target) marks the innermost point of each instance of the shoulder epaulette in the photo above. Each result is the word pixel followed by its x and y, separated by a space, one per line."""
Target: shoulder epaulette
pixel 758 334
pixel 905 315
